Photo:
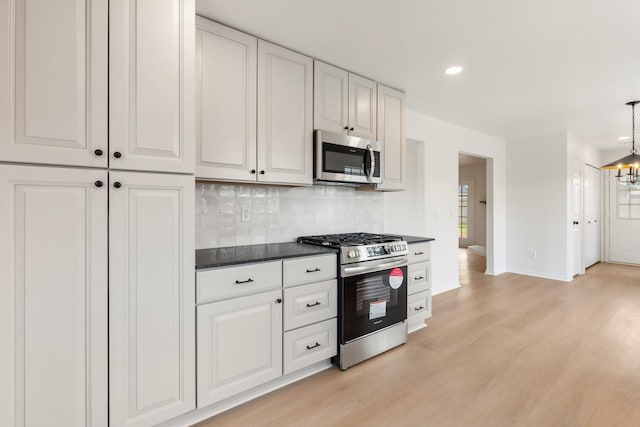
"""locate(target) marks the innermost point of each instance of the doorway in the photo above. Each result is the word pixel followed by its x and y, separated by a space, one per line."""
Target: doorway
pixel 472 215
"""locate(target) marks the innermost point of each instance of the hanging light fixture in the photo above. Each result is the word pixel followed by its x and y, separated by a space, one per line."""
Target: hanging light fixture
pixel 632 161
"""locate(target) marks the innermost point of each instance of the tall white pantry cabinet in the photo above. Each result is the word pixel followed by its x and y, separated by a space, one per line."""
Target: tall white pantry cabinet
pixel 96 238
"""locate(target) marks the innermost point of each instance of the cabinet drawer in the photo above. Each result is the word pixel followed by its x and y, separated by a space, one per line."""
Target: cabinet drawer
pixel 241 280
pixel 419 277
pixel 310 269
pixel 419 252
pixel 308 345
pixel 419 305
pixel 310 303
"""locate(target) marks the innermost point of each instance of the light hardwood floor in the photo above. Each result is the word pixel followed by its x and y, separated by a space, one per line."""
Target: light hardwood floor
pixel 509 350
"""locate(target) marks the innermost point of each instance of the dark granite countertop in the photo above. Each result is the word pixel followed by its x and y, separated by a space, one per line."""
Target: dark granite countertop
pixel 414 239
pixel 219 257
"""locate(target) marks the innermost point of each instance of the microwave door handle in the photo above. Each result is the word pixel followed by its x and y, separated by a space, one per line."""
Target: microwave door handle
pixel 372 158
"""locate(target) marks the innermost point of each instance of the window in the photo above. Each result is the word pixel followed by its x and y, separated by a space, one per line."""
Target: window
pixel 628 201
pixel 463 211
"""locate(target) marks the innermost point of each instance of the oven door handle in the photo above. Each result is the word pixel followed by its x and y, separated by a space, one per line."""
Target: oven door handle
pixel 348 271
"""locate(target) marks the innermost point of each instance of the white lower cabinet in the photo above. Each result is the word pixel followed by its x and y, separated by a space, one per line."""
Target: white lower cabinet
pixel 308 345
pixel 254 326
pixel 151 298
pixel 53 296
pixel 419 286
pixel 239 345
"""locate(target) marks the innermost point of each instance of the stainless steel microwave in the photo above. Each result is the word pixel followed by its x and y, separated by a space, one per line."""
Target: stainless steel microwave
pixel 347 159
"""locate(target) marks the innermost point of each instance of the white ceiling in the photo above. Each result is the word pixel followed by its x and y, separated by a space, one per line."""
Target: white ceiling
pixel 530 67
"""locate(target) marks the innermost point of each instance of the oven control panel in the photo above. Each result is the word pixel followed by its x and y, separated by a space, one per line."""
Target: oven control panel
pixel 370 252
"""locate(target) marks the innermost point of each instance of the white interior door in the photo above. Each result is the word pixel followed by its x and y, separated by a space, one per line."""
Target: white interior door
pixel 624 222
pixel 576 216
pixel 592 223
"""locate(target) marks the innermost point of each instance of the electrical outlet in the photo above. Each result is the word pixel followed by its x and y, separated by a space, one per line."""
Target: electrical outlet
pixel 532 254
pixel 246 215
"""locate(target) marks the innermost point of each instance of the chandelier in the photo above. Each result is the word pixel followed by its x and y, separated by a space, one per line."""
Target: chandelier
pixel 632 161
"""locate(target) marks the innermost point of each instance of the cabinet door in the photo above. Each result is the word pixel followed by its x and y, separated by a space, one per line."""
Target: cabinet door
pixel 151 297
pixel 53 82
pixel 151 85
pixel 391 134
pixel 53 297
pixel 285 133
pixel 330 98
pixel 362 107
pixel 226 102
pixel 239 345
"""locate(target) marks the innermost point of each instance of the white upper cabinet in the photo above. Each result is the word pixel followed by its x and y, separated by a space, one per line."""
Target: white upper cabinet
pixel 226 72
pixel 362 107
pixel 53 82
pixel 331 98
pixel 151 297
pixel 151 85
pixel 344 102
pixel 392 135
pixel 285 118
pixel 53 296
pixel 254 109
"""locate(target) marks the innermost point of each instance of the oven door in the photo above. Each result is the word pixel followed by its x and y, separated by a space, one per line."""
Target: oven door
pixel 372 300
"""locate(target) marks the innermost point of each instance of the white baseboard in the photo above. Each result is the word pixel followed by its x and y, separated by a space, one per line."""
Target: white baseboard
pixel 540 275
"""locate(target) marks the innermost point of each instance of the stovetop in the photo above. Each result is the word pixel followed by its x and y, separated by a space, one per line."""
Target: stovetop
pixel 359 247
pixel 349 239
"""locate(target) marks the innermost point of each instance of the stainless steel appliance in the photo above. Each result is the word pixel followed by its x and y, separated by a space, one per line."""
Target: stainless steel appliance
pixel 346 159
pixel 372 293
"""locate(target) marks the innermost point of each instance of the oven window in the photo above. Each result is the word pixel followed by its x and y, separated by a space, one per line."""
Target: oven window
pixel 372 290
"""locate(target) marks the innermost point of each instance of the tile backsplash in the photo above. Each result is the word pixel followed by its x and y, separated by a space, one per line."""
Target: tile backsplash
pixel 281 214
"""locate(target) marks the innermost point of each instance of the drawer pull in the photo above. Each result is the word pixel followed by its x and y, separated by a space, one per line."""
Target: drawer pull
pixel 313 346
pixel 419 308
pixel 313 271
pixel 418 253
pixel 239 282
pixel 418 278
pixel 314 304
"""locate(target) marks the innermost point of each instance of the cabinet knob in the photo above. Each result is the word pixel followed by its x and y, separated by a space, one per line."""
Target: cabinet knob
pixel 98 152
pixel 117 185
pixel 261 172
pixel 346 128
pixel 98 184
pixel 350 129
pixel 279 300
pixel 253 171
pixel 117 154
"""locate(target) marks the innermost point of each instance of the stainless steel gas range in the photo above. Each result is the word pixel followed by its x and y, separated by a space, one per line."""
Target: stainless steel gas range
pixel 372 293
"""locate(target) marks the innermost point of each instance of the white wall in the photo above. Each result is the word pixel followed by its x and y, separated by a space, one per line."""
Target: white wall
pixel 443 142
pixel 537 209
pixel 478 174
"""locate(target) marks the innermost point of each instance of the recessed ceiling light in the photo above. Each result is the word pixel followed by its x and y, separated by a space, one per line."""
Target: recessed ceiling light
pixel 456 69
pixel 624 138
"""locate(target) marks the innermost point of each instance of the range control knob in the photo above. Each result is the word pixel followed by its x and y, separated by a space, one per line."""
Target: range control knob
pixel 351 254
